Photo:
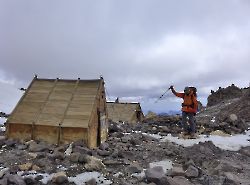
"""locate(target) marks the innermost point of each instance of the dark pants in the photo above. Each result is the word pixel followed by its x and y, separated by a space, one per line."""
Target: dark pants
pixel 188 122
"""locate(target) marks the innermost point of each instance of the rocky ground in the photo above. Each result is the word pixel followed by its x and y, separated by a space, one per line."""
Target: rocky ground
pixel 131 155
pixel 124 159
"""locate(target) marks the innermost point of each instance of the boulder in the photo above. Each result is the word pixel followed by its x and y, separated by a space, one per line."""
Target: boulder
pixel 177 180
pixel 38 147
pixel 91 182
pixel 3 172
pixel 74 157
pixel 15 179
pixel 29 181
pixel 177 170
pixel 25 167
pixel 60 178
pixel 94 164
pixel 154 174
pixel 104 146
pixel 192 172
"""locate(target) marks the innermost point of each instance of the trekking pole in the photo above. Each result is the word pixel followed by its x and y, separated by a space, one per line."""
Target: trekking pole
pixel 162 95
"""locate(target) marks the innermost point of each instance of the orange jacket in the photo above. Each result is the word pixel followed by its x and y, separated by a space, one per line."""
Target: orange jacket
pixel 190 103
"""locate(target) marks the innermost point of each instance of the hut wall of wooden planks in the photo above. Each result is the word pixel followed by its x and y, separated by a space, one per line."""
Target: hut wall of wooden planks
pixel 61 111
pixel 125 112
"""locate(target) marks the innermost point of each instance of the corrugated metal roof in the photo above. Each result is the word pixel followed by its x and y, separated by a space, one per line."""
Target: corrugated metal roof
pixel 53 102
pixel 122 111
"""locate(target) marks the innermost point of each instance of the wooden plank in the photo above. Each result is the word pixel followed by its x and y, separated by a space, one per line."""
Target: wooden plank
pixel 57 95
pixel 49 119
pixel 25 118
pixel 29 107
pixel 77 123
pixel 36 97
pixel 70 134
pixel 46 133
pixel 19 131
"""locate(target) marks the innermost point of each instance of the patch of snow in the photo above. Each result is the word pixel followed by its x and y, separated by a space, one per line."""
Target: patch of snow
pixel 79 179
pixel 2 120
pixel 84 177
pixel 118 174
pixel 60 167
pixel 232 143
pixel 3 129
pixel 46 177
pixel 139 175
pixel 165 164
pixel 69 150
pixel 213 119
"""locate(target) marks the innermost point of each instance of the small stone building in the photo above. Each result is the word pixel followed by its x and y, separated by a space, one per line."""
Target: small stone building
pixel 61 111
pixel 125 112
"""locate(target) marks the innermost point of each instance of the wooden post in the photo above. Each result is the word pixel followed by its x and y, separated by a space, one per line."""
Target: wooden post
pixel 32 130
pixel 59 133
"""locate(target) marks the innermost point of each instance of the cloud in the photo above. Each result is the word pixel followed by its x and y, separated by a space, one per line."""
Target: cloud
pixel 140 47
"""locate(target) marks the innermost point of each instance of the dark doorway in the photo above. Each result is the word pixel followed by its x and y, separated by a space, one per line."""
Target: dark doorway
pixel 99 128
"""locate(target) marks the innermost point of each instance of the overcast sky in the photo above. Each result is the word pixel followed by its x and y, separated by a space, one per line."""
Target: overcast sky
pixel 140 47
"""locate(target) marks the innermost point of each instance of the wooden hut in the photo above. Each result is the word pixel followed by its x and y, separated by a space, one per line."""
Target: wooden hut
pixel 61 111
pixel 125 112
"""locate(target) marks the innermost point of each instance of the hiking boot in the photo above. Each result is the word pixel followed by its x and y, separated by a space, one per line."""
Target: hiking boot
pixel 185 133
pixel 192 135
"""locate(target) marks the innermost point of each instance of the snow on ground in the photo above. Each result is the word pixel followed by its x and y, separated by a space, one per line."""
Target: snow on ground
pixel 232 143
pixel 2 129
pixel 78 179
pixel 84 177
pixel 165 164
pixel 2 121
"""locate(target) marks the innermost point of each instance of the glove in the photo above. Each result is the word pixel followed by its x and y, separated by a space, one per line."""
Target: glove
pixel 171 87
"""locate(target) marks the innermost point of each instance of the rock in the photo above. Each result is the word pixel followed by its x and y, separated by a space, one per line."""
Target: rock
pixel 4 181
pixel 231 178
pixel 36 168
pixel 56 155
pixel 177 171
pixel 93 164
pixel 103 153
pixel 3 172
pixel 10 143
pixel 29 181
pixel 34 147
pixel 82 150
pixel 178 180
pixel 165 129
pixel 154 174
pixel 83 158
pixel 60 178
pixel 192 172
pixel 233 118
pixel 135 141
pixel 91 182
pixel 22 147
pixel 2 141
pixel 74 157
pixel 135 168
pixel 33 155
pixel 112 162
pixel 114 127
pixel 126 138
pixel 15 179
pixel 214 180
pixel 245 151
pixel 25 167
pixel 104 146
